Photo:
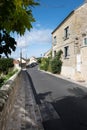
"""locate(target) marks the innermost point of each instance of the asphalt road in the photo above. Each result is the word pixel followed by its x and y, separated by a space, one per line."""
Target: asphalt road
pixel 68 99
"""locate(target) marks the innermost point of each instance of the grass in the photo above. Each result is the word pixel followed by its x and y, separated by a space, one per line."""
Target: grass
pixel 6 77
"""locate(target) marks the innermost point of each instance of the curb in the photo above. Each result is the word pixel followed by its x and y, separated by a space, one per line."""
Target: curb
pixel 84 84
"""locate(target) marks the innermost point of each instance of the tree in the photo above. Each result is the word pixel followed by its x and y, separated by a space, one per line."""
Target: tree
pixel 15 16
pixel 5 65
pixel 7 43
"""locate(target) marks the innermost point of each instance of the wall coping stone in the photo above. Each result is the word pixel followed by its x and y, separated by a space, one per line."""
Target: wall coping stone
pixel 6 89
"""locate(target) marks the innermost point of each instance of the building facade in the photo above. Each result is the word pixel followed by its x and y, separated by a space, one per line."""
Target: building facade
pixel 71 37
pixel 33 60
pixel 48 54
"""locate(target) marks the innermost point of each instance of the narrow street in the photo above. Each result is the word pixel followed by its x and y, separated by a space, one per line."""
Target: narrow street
pixel 46 102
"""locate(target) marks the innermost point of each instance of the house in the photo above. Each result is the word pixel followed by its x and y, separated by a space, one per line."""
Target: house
pixel 71 37
pixel 48 53
pixel 22 62
pixel 33 60
pixel 16 63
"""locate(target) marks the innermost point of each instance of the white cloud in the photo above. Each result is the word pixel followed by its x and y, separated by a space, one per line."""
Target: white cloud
pixel 38 25
pixel 35 36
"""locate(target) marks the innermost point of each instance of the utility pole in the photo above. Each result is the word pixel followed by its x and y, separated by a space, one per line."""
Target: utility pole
pixel 21 58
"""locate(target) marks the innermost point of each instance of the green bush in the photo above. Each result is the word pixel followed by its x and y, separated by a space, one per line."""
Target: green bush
pixel 56 66
pixel 6 77
pixel 10 74
pixel 53 65
pixel 5 65
pixel 1 81
pixel 44 64
pixel 39 60
pixel 56 63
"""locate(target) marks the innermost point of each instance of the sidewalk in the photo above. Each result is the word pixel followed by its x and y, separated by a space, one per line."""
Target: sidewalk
pixel 82 83
pixel 25 114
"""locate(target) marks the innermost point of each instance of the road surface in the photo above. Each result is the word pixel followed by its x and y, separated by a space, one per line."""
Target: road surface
pixel 63 104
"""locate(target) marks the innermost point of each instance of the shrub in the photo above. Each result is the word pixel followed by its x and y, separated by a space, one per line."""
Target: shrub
pixel 44 64
pixel 39 60
pixel 5 64
pixel 56 63
pixel 56 66
pixel 1 81
pixel 6 77
pixel 49 66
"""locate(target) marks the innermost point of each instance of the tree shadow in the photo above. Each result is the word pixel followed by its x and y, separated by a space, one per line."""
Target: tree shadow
pixel 72 110
pixel 77 91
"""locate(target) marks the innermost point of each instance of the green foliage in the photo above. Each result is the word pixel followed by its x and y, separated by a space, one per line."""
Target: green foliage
pixel 56 63
pixel 1 81
pixel 44 64
pixel 10 73
pixel 49 66
pixel 50 56
pixel 6 77
pixel 5 64
pixel 58 55
pixel 7 43
pixel 15 16
pixel 52 64
pixel 39 60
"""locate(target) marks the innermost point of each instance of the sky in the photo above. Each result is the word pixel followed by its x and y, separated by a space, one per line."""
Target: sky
pixel 48 15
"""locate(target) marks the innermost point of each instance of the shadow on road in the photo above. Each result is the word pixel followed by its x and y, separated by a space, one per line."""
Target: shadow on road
pixel 72 110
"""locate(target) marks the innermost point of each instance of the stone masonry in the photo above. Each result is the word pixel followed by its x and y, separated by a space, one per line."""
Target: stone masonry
pixel 76 22
pixel 25 114
pixel 7 97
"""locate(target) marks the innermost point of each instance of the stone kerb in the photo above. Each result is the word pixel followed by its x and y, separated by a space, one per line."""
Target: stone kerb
pixel 7 95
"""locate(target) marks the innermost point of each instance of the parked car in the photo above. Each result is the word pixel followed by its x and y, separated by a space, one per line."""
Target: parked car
pixel 32 65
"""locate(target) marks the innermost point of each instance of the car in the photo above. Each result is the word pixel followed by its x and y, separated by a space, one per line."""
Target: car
pixel 32 65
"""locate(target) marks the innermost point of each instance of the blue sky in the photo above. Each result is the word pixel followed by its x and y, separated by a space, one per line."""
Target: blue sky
pixel 48 15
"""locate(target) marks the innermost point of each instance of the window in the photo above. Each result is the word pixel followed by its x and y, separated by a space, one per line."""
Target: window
pixel 66 33
pixel 66 51
pixel 54 40
pixel 85 41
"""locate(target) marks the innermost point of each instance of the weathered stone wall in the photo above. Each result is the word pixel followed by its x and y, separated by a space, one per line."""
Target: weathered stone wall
pixel 77 23
pixel 7 96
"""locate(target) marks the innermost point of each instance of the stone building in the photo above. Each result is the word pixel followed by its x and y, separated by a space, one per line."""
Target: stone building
pixel 71 37
pixel 47 54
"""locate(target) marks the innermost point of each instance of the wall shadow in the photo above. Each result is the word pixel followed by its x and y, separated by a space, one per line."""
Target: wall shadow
pixel 42 96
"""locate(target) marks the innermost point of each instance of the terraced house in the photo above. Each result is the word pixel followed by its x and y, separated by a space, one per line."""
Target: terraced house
pixel 71 37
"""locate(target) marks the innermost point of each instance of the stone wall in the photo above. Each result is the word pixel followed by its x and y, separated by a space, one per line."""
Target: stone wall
pixel 77 24
pixel 7 96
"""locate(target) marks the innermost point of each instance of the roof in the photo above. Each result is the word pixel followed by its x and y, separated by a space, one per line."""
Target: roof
pixel 63 21
pixel 71 13
pixel 22 60
pixel 48 51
